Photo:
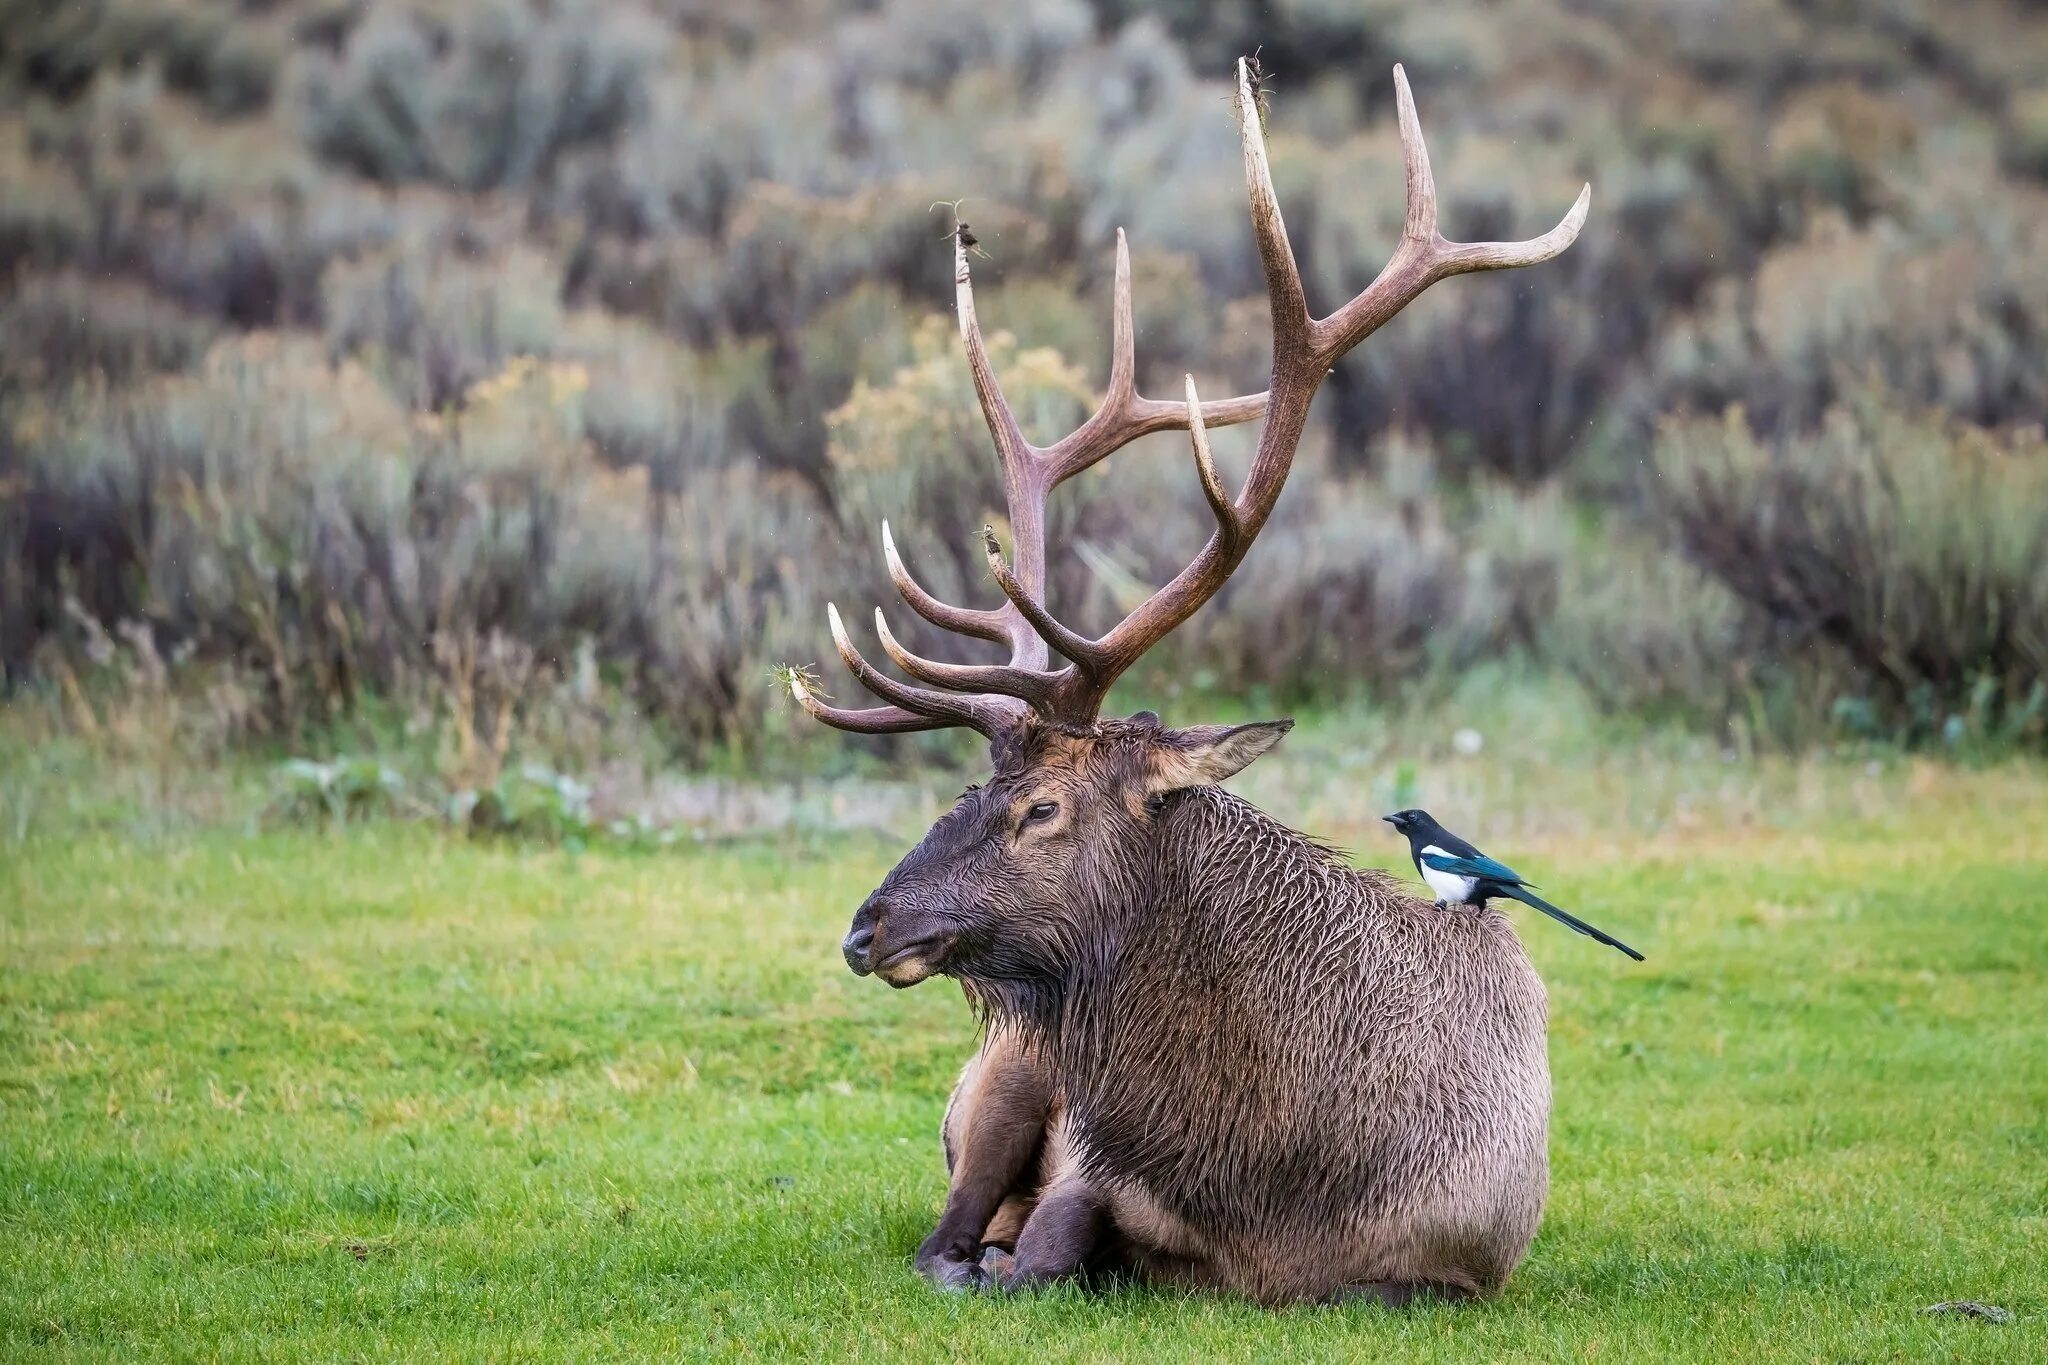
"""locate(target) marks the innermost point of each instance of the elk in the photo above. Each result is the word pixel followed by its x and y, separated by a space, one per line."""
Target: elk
pixel 1214 1054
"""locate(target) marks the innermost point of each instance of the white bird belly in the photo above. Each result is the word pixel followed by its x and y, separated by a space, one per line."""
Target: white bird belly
pixel 1449 886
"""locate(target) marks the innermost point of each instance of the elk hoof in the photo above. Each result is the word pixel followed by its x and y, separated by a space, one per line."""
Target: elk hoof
pixel 954 1273
pixel 996 1265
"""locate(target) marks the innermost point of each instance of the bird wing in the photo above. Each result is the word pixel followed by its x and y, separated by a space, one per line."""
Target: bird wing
pixel 1478 865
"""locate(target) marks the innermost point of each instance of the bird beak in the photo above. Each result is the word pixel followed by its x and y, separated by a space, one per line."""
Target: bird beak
pixel 1390 820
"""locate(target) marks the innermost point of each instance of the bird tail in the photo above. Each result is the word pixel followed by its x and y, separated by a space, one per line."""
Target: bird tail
pixel 1527 897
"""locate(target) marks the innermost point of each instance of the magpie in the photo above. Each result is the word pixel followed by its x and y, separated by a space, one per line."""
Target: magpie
pixel 1461 875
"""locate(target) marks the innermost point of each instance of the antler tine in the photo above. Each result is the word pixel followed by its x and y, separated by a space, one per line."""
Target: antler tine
pixel 1227 525
pixel 983 625
pixel 985 714
pixel 1083 651
pixel 1011 446
pixel 1288 303
pixel 1419 185
pixel 871 720
pixel 1025 684
pixel 1027 476
pixel 1125 414
pixel 1123 332
pixel 1461 258
pixel 1424 256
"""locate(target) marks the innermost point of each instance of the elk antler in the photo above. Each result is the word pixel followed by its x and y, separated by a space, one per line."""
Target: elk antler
pixel 993 697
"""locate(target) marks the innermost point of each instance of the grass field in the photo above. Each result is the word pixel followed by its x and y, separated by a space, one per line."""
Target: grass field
pixel 383 1093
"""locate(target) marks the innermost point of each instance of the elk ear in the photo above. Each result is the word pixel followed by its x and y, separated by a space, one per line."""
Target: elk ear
pixel 1202 755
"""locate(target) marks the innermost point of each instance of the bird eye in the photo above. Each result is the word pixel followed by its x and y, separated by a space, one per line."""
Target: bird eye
pixel 1044 810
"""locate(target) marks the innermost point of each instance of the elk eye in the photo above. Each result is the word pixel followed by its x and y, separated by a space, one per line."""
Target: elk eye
pixel 1044 810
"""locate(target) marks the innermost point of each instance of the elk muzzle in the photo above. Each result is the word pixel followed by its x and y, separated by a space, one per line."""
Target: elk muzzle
pixel 894 942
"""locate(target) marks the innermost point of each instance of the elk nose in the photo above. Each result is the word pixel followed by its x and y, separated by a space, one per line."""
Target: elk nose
pixel 859 943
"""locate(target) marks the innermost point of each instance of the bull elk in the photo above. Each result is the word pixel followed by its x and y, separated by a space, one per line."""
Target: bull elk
pixel 1216 1056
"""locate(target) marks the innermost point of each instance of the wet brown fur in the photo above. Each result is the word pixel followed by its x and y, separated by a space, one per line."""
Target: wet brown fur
pixel 1217 1056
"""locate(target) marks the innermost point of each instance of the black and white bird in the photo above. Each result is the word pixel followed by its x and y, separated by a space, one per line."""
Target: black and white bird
pixel 1461 875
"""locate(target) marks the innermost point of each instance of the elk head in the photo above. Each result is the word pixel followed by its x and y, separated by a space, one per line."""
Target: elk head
pixel 1001 888
pixel 1028 864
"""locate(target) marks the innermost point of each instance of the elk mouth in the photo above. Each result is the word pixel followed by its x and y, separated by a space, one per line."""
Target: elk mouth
pixel 914 961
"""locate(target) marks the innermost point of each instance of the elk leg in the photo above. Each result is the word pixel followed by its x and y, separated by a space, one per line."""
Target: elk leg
pixel 994 1130
pixel 1058 1241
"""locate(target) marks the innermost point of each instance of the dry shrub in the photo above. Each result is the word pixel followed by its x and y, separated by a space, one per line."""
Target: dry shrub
pixel 652 404
pixel 208 51
pixel 750 561
pixel 157 713
pixel 134 183
pixel 1948 314
pixel 494 95
pixel 45 218
pixel 1362 584
pixel 2026 138
pixel 1644 630
pixel 1915 545
pixel 485 678
pixel 294 519
pixel 64 326
pixel 435 322
pixel 1348 594
pixel 1834 142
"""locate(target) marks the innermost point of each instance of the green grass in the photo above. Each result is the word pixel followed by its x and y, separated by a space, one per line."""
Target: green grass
pixel 382 1093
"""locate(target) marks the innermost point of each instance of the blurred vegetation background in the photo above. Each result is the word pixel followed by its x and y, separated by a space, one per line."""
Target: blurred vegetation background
pixel 519 378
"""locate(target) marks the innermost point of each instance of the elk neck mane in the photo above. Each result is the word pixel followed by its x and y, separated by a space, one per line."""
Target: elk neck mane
pixel 1221 878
